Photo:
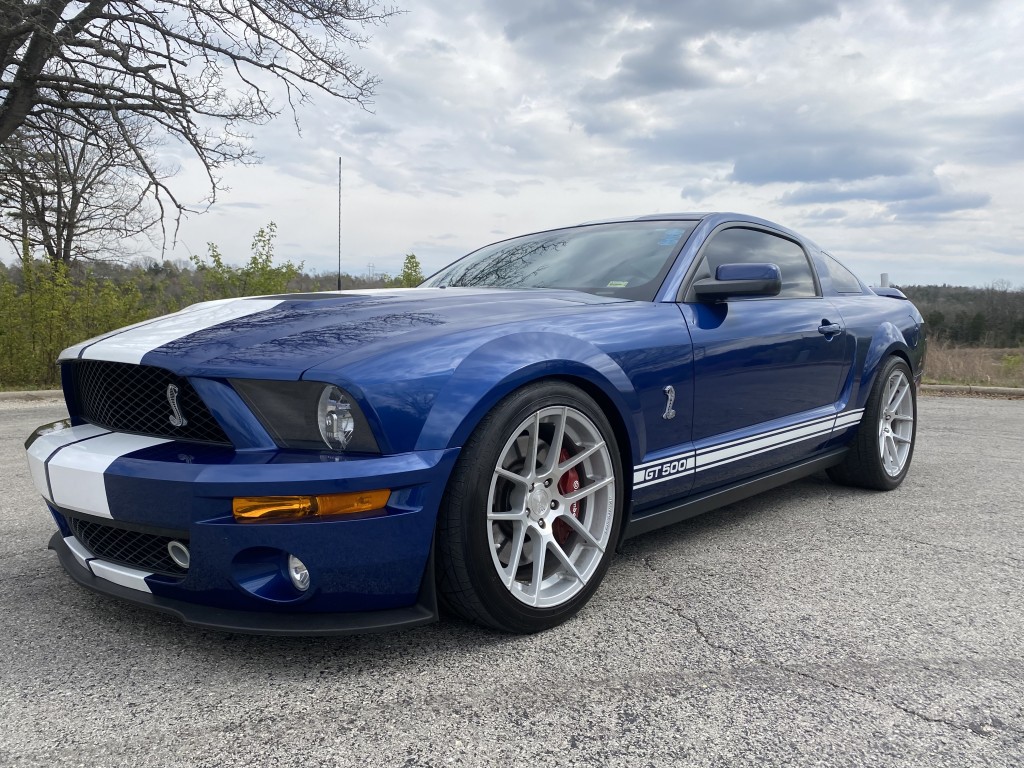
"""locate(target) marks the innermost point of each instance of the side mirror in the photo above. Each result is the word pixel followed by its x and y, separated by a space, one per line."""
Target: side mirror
pixel 740 280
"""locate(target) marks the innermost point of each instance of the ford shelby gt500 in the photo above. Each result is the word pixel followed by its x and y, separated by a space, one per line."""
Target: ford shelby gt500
pixel 358 460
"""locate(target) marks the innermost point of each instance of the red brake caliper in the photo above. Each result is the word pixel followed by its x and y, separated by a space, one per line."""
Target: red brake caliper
pixel 570 482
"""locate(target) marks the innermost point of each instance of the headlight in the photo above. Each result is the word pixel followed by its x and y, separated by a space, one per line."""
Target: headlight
pixel 308 414
pixel 334 415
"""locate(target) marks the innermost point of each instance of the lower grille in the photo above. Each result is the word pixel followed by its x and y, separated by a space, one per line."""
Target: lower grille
pixel 140 550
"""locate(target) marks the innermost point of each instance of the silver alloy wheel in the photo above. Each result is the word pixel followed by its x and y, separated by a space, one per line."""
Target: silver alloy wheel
pixel 551 506
pixel 896 423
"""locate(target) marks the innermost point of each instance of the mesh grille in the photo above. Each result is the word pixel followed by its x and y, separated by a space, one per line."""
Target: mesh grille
pixel 134 398
pixel 140 550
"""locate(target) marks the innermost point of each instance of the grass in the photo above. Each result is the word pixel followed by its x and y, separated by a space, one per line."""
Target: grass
pixel 948 364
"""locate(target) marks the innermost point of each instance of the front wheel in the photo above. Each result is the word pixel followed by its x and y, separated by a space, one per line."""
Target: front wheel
pixel 881 452
pixel 532 512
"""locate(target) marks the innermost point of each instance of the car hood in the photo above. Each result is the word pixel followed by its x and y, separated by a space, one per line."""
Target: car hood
pixel 282 336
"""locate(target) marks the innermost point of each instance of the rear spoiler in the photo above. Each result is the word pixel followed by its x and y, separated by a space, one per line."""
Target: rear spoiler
pixel 892 293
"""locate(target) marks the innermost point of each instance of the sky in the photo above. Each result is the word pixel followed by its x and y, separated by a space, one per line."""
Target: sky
pixel 890 133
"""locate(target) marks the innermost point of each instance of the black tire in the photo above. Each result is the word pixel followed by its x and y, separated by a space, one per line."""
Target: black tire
pixel 864 465
pixel 471 574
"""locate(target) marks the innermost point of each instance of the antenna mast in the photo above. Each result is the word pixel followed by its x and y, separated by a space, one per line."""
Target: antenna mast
pixel 339 222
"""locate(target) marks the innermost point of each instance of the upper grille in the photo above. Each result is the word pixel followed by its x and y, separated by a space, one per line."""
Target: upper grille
pixel 134 398
pixel 134 548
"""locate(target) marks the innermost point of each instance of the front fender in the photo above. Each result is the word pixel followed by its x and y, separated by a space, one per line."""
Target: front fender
pixel 505 364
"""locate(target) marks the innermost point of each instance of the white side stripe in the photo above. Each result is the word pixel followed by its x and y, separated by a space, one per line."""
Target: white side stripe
pixel 781 431
pixel 717 455
pixel 849 419
pixel 703 466
pixel 714 456
pixel 76 472
pixel 669 468
pixel 131 345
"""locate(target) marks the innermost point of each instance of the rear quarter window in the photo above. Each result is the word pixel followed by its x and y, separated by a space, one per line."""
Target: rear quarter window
pixel 843 280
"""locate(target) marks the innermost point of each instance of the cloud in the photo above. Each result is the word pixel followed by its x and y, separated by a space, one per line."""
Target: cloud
pixel 941 203
pixel 826 214
pixel 881 128
pixel 664 67
pixel 243 205
pixel 817 164
pixel 879 188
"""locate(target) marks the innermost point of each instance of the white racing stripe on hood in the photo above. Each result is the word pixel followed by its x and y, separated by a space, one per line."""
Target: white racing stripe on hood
pixel 135 342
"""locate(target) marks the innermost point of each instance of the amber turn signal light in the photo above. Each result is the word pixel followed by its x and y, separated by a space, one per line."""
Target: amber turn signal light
pixel 257 508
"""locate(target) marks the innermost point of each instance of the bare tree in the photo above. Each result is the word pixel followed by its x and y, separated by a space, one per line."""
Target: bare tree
pixel 199 70
pixel 75 191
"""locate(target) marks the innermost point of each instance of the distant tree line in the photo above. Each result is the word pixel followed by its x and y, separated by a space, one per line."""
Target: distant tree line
pixel 992 316
pixel 46 306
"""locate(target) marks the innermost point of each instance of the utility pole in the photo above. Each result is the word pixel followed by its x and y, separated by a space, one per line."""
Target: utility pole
pixel 26 250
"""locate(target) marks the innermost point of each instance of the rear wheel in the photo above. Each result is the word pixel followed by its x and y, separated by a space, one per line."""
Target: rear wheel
pixel 532 512
pixel 881 452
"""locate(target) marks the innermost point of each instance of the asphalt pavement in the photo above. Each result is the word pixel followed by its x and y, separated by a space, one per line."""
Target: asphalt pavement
pixel 812 625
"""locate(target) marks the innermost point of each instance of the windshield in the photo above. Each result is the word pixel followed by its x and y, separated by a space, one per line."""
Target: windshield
pixel 628 260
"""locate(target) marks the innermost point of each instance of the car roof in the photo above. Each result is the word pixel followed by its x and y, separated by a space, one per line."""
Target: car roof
pixel 714 217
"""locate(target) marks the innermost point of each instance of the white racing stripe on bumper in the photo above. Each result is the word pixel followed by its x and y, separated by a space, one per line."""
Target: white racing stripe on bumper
pixel 132 578
pixel 49 442
pixel 131 345
pixel 82 555
pixel 120 574
pixel 76 472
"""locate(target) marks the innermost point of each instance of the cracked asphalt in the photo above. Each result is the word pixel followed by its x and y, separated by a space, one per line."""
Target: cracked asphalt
pixel 811 626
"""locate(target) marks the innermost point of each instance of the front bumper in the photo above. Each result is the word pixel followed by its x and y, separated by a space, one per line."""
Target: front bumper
pixel 423 611
pixel 368 572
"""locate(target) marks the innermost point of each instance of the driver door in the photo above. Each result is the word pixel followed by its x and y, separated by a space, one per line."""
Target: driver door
pixel 767 370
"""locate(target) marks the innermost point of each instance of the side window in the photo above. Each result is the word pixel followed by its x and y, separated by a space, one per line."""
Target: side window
pixel 747 246
pixel 843 280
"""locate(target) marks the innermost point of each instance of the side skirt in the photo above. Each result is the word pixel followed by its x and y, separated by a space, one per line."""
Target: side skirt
pixel 676 511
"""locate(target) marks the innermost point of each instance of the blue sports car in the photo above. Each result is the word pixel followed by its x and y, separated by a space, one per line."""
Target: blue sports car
pixel 359 460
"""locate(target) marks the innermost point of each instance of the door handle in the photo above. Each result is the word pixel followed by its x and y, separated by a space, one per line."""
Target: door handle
pixel 828 330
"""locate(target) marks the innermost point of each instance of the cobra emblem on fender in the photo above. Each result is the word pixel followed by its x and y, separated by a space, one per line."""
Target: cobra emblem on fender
pixel 177 418
pixel 670 393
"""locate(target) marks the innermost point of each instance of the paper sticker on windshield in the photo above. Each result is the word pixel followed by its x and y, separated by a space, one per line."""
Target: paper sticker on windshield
pixel 671 237
pixel 618 284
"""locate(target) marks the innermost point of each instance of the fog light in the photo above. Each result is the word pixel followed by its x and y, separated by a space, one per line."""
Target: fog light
pixel 179 554
pixel 298 573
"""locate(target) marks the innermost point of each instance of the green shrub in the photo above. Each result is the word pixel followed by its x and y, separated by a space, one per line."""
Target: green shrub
pixel 43 310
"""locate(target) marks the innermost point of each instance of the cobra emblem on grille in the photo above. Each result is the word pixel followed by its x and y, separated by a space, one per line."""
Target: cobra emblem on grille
pixel 177 418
